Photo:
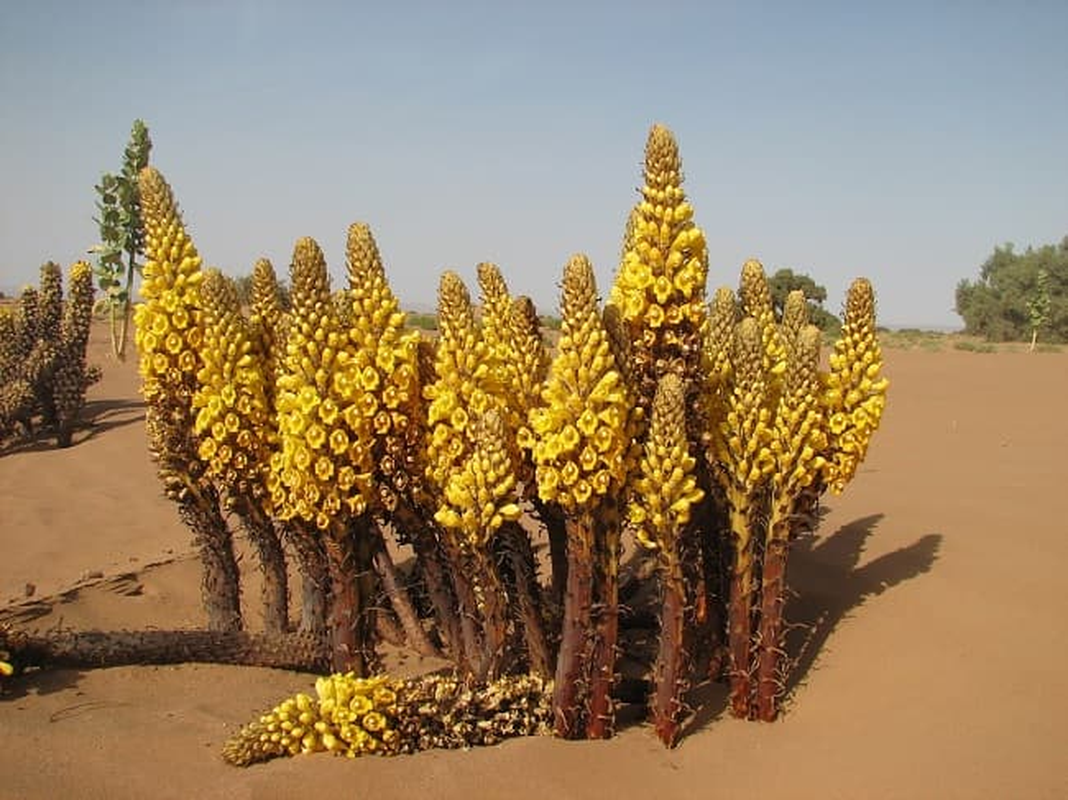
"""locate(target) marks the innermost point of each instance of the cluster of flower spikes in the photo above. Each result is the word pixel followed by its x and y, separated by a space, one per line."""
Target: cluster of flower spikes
pixel 659 288
pixel 666 486
pixel 856 393
pixel 582 434
pixel 234 423
pixel 324 465
pixel 384 360
pixel 472 501
pixel 169 333
pixel 354 716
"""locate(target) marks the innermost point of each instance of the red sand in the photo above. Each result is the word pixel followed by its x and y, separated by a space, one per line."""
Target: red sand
pixel 935 665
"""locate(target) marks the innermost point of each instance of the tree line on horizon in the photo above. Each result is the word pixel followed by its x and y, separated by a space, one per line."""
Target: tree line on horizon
pixel 1018 296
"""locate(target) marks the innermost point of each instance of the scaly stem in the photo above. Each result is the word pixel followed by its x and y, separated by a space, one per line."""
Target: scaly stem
pixel 569 694
pixel 220 586
pixel 402 603
pixel 528 597
pixel 773 587
pixel 739 614
pixel 314 575
pixel 275 590
pixel 605 612
pixel 670 670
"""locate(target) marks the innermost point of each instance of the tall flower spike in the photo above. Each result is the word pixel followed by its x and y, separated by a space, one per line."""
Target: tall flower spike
pixel 756 303
pixel 666 488
pixel 234 422
pixel 797 441
pixel 794 319
pixel 324 463
pixel 660 285
pixel 385 363
pixel 169 336
pixel 582 430
pixel 745 462
pixel 268 319
pixel 856 391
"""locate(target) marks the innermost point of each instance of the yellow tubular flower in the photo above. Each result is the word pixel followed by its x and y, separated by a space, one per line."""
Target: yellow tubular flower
pixel 659 288
pixel 756 303
pixel 496 331
pixel 856 391
pixel 582 433
pixel 666 488
pixel 385 364
pixel 318 402
pixel 231 390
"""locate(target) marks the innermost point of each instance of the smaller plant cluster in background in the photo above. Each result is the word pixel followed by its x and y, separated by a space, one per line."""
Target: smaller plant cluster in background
pixel 43 370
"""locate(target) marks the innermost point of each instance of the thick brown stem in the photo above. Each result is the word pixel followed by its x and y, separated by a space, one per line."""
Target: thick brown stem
pixel 670 670
pixel 739 619
pixel 314 575
pixel 93 649
pixel 773 587
pixel 492 602
pixel 467 605
pixel 556 527
pixel 569 692
pixel 605 617
pixel 528 598
pixel 350 617
pixel 274 593
pixel 431 562
pixel 401 602
pixel 220 586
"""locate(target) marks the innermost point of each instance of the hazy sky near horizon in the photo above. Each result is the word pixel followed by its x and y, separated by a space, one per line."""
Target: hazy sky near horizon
pixel 901 141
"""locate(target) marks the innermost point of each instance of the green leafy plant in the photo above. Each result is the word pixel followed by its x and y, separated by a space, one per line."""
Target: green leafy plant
pixel 1039 306
pixel 121 235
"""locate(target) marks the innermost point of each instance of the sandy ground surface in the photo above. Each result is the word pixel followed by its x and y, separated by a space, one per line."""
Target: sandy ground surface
pixel 935 665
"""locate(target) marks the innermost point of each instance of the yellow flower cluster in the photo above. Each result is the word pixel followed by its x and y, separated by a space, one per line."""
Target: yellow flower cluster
pixel 354 716
pixel 351 716
pixel 856 393
pixel 168 321
pixel 267 319
pixel 480 496
pixel 234 422
pixel 323 417
pixel 458 396
pixel 798 438
pixel 745 456
pixel 661 280
pixel 666 488
pixel 384 361
pixel 755 295
pixel 581 434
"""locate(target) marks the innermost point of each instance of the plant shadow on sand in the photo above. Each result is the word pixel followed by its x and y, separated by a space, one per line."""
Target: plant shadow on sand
pixel 98 417
pixel 827 582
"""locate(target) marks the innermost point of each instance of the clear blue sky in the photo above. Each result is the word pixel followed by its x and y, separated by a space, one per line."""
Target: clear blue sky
pixel 901 141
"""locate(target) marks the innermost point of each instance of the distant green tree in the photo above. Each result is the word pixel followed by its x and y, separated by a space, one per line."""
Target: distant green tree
pixel 785 281
pixel 1012 301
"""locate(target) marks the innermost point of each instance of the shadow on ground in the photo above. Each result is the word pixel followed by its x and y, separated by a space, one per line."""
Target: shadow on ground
pixel 827 582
